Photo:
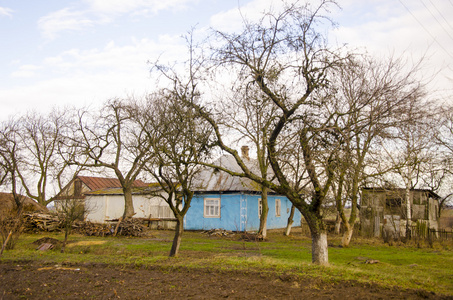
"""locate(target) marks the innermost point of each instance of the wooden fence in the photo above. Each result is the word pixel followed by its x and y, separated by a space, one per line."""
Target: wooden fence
pixel 418 231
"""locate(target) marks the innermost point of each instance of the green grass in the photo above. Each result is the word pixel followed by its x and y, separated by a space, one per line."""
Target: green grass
pixel 401 265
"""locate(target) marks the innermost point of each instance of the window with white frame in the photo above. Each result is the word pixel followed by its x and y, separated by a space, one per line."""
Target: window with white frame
pixel 212 208
pixel 278 208
pixel 260 207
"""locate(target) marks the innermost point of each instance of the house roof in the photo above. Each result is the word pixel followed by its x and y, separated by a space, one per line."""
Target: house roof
pixel 379 189
pixel 97 183
pixel 211 179
pixel 141 190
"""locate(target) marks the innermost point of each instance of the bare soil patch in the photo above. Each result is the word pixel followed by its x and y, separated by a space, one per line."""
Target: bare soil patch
pixel 32 280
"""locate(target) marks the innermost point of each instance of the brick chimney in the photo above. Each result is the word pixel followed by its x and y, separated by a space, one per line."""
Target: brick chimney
pixel 245 152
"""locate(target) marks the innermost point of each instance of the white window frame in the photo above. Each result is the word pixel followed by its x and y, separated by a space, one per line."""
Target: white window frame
pixel 209 208
pixel 278 208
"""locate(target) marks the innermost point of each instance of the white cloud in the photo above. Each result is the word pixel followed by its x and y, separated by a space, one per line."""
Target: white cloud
pixel 403 30
pixel 132 6
pixel 102 12
pixel 4 11
pixel 25 71
pixel 81 77
pixel 232 19
pixel 68 19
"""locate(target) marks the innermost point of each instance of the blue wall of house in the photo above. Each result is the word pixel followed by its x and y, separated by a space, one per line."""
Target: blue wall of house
pixel 238 212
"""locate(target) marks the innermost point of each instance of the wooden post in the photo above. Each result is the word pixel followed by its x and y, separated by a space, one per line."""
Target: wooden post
pixel 117 226
pixel 6 242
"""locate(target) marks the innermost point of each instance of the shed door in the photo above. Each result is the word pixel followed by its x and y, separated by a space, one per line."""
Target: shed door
pixel 377 224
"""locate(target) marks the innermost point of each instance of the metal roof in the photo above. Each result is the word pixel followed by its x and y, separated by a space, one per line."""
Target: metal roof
pixel 381 189
pixel 142 190
pixel 212 179
pixel 97 183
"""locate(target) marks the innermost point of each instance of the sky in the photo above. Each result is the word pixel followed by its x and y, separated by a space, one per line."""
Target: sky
pixel 56 53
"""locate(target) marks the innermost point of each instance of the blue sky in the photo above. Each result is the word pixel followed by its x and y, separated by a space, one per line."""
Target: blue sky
pixel 56 52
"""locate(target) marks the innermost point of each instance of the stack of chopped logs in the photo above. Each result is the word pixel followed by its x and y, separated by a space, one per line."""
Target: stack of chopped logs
pixel 35 222
pixel 92 229
pixel 218 232
pixel 129 227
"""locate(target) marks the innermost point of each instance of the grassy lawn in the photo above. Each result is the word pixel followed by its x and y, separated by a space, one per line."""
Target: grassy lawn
pixel 402 265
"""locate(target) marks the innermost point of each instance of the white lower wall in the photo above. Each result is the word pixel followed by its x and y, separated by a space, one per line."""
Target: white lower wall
pixel 107 207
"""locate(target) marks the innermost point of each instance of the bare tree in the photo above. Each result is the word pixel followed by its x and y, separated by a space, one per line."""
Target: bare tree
pixel 180 142
pixel 286 59
pixel 30 154
pixel 369 93
pixel 439 174
pixel 10 156
pixel 445 136
pixel 250 119
pixel 112 141
pixel 437 177
pixel 408 148
pixel 70 211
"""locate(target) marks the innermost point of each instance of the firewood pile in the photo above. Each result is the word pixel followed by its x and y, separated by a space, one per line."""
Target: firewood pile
pixel 218 232
pixel 252 237
pixel 92 229
pixel 130 227
pixel 36 222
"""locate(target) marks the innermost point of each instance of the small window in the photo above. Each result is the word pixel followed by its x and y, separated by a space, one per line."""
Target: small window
pixel 393 202
pixel 364 200
pixel 212 208
pixel 260 207
pixel 278 208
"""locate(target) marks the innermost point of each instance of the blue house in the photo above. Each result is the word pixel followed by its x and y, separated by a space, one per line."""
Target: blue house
pixel 233 203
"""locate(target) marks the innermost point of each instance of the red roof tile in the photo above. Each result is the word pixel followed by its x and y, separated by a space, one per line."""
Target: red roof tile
pixel 97 183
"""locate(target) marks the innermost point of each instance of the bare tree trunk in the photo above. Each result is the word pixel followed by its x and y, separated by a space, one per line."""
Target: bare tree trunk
pixel 349 224
pixel 337 223
pixel 408 213
pixel 319 249
pixel 265 210
pixel 66 234
pixel 128 203
pixel 178 234
pixel 347 235
pixel 6 242
pixel 289 225
pixel 117 226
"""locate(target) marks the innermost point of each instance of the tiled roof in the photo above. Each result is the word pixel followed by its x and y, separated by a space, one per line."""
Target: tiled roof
pixel 97 183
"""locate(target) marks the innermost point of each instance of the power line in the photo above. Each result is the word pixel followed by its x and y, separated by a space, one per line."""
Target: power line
pixel 440 13
pixel 423 26
pixel 437 20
